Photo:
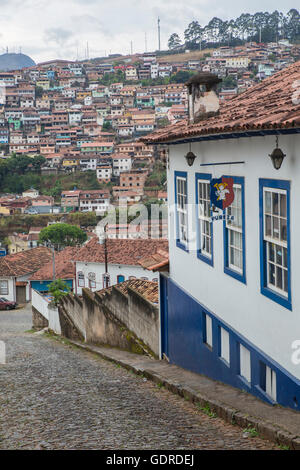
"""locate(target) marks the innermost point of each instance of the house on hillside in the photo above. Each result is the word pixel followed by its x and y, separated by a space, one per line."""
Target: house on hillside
pixel 16 269
pixel 230 304
pixel 125 260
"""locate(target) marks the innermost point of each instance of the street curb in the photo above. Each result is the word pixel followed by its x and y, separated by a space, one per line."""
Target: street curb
pixel 231 415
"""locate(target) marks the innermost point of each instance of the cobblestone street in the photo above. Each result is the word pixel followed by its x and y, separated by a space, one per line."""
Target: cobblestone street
pixel 55 396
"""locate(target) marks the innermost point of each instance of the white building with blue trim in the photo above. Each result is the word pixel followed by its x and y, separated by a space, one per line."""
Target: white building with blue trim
pixel 230 306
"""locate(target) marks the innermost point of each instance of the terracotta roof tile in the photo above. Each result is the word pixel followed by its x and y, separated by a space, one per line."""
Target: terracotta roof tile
pixel 271 104
pixel 155 262
pixel 148 289
pixel 120 251
pixel 64 267
pixel 25 262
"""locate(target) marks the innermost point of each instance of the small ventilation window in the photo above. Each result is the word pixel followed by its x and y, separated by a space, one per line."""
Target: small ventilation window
pixel 268 381
pixel 245 363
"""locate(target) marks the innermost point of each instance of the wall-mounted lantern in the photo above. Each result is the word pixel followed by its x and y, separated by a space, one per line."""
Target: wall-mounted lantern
pixel 277 156
pixel 190 157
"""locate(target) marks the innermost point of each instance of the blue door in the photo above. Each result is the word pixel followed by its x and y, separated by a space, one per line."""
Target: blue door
pixel 120 278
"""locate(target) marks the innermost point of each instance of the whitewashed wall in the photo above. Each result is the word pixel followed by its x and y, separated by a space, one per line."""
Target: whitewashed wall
pixel 114 270
pixel 41 304
pixel 268 325
pixel 11 296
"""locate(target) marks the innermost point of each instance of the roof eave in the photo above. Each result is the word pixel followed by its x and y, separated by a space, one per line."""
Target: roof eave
pixel 227 135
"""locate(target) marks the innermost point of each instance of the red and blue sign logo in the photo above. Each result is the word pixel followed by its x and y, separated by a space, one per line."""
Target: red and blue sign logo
pixel 221 192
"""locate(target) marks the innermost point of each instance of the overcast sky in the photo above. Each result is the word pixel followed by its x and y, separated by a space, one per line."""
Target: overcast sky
pixel 49 29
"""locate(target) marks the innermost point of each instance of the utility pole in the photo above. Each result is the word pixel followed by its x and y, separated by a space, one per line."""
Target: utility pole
pixel 53 262
pixel 131 48
pixel 103 241
pixel 158 27
pixel 106 275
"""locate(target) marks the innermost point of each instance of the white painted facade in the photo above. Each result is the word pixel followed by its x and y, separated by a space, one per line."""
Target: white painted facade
pixel 121 164
pixel 262 321
pixel 7 288
pixel 104 172
pixel 88 164
pixel 114 270
pixel 100 205
pixel 10 283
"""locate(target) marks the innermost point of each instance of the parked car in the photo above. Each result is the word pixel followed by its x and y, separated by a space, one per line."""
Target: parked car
pixel 7 304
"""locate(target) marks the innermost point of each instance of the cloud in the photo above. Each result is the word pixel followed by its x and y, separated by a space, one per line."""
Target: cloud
pixel 87 24
pixel 58 36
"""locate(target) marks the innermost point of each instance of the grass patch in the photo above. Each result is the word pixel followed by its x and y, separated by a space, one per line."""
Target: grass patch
pixel 207 410
pixel 251 431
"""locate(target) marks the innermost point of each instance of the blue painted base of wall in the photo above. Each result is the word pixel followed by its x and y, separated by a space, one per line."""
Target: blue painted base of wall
pixel 183 342
pixel 43 286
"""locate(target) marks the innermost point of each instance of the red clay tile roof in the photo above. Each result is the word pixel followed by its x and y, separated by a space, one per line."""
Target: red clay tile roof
pixel 148 289
pixel 271 104
pixel 25 262
pixel 64 267
pixel 120 251
pixel 156 262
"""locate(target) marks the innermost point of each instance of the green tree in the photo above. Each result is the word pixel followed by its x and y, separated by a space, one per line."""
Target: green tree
pixel 193 32
pixel 19 164
pixel 106 126
pixel 58 289
pixel 174 41
pixel 37 162
pixel 181 77
pixel 61 235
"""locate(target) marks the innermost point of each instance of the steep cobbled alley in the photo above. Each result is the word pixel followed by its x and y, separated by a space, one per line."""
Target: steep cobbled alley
pixel 54 396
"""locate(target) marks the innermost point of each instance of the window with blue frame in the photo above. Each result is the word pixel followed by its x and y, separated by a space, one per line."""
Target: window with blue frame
pixel 181 201
pixel 234 233
pixel 274 197
pixel 204 224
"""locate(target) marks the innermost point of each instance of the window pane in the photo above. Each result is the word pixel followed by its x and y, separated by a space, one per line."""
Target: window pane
pixel 238 262
pixel 268 202
pixel 279 277
pixel 268 226
pixel 285 257
pixel 283 229
pixel 275 227
pixel 279 256
pixel 283 208
pixel 271 251
pixel 275 203
pixel 239 240
pixel 271 273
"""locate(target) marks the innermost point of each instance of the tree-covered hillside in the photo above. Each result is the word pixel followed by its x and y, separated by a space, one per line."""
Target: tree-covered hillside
pixel 260 26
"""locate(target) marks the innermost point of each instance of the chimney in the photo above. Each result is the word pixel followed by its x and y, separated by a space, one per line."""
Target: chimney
pixel 203 101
